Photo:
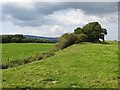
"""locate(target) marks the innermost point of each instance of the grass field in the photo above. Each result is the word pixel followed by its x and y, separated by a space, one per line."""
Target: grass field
pixel 83 66
pixel 18 51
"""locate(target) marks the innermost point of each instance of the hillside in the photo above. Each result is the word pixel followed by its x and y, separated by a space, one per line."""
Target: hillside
pixel 84 65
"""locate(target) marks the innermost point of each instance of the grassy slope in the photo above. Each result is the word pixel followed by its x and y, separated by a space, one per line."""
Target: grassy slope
pixel 86 65
pixel 15 51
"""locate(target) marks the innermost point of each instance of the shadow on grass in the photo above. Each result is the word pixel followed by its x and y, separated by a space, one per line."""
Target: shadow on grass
pixel 99 42
pixel 103 42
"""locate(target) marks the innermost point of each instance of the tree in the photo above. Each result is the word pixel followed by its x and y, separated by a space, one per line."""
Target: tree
pixel 103 33
pixel 66 40
pixel 93 30
pixel 17 38
pixel 81 38
pixel 6 38
pixel 77 30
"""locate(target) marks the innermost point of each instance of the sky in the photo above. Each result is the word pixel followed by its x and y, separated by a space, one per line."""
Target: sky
pixel 55 18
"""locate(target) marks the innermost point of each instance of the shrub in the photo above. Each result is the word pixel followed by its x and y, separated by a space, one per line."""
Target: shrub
pixel 48 54
pixel 81 38
pixel 69 39
pixel 66 40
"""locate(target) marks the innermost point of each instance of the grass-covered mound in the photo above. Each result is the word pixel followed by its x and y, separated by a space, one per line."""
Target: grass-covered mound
pixel 81 65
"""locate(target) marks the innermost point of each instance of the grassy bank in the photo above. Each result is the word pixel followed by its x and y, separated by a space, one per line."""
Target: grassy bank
pixel 86 65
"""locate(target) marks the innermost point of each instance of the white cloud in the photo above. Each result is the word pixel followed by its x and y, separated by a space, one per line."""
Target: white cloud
pixel 33 21
pixel 44 30
pixel 56 28
pixel 64 21
pixel 78 17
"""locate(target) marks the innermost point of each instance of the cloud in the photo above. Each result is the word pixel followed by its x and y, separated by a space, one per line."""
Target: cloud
pixel 37 14
pixel 56 18
pixel 44 30
pixel 57 30
pixel 33 11
pixel 59 1
pixel 79 17
pixel 91 7
pixel 70 17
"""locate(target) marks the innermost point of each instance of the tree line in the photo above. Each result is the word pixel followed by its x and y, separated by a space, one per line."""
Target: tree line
pixel 91 32
pixel 19 38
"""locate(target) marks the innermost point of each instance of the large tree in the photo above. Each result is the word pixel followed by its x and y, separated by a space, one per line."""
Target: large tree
pixel 93 30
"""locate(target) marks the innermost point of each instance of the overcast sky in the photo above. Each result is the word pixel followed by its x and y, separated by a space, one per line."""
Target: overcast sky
pixel 55 18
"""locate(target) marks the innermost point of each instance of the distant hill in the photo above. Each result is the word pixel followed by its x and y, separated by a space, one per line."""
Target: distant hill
pixel 41 37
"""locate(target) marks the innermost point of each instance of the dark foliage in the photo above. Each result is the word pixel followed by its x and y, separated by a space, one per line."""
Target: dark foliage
pixel 19 38
pixel 91 32
pixel 66 40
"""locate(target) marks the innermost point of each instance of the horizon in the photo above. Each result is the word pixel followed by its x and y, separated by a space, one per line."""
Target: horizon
pixel 49 36
pixel 29 35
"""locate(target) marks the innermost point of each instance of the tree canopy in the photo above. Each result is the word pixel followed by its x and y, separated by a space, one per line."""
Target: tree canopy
pixel 91 32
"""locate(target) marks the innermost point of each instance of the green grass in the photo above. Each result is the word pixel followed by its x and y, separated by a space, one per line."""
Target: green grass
pixel 13 51
pixel 83 66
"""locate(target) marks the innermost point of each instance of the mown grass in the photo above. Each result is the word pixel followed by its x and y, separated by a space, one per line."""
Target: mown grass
pixel 20 51
pixel 85 65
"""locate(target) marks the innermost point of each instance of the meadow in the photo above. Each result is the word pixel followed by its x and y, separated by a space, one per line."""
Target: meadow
pixel 13 51
pixel 86 65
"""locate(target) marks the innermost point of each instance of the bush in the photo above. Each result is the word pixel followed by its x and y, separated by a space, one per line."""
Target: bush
pixel 66 40
pixel 81 38
pixel 69 39
pixel 48 54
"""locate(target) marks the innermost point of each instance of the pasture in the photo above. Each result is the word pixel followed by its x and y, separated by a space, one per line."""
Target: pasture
pixel 86 65
pixel 18 51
